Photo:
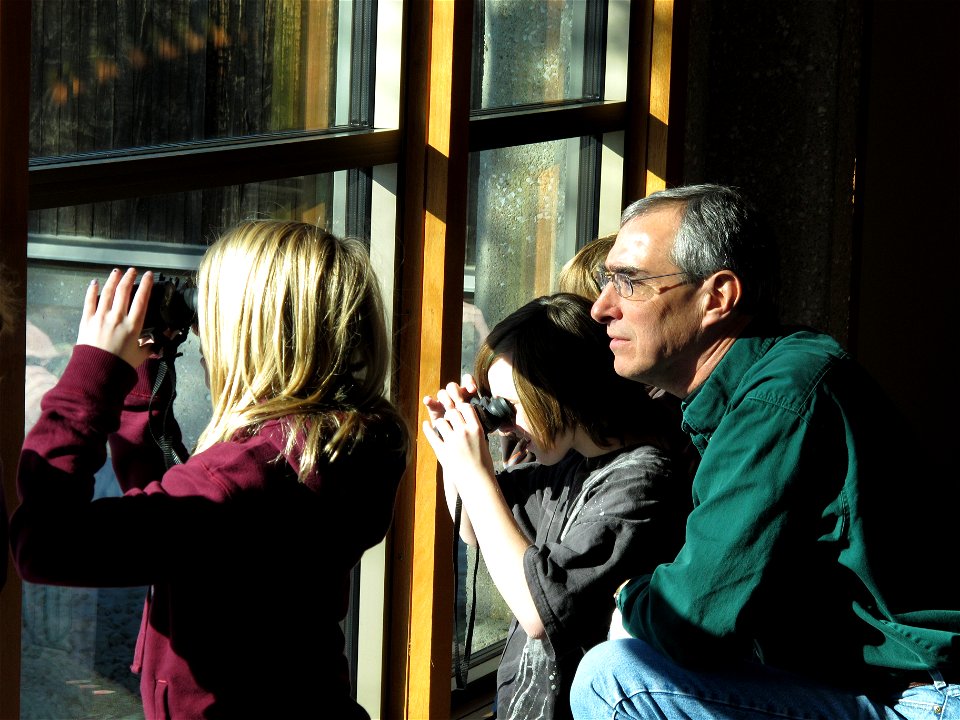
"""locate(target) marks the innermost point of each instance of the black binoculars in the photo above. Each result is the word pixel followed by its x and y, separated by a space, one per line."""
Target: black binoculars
pixel 494 413
pixel 172 306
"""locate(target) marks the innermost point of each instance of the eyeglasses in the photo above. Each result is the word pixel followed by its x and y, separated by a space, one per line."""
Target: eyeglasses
pixel 627 286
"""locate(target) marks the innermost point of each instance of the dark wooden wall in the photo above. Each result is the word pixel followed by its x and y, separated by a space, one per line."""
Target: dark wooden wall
pixel 842 119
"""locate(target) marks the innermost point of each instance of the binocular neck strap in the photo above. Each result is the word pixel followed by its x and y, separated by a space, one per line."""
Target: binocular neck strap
pixel 462 656
pixel 165 373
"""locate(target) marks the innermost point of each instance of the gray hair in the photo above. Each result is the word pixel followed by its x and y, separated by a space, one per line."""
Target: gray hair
pixel 719 230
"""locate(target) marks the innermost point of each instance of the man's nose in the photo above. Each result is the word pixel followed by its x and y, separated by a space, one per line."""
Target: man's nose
pixel 606 306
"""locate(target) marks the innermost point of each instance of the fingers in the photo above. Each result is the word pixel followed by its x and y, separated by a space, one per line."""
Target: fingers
pixel 462 417
pixel 435 408
pixel 457 393
pixel 459 416
pixel 122 285
pixel 446 398
pixel 453 404
pixel 117 291
pixel 469 384
pixel 114 322
pixel 432 434
pixel 90 300
pixel 115 295
pixel 109 290
pixel 450 433
pixel 138 307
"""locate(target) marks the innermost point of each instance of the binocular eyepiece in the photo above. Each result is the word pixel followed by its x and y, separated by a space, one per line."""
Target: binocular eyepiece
pixel 494 413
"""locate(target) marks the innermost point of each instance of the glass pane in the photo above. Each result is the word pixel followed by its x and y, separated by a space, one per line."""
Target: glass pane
pixel 522 229
pixel 186 218
pixel 522 224
pixel 112 74
pixel 533 51
pixel 78 643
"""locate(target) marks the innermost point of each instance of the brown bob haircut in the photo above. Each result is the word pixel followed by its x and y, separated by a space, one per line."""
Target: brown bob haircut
pixel 563 372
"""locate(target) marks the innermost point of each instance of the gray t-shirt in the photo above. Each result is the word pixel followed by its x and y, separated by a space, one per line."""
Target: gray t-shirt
pixel 594 523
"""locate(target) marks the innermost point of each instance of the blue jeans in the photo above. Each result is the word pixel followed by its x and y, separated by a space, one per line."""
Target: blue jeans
pixel 629 679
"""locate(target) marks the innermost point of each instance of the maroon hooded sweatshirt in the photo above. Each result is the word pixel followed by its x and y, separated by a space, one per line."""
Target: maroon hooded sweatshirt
pixel 248 567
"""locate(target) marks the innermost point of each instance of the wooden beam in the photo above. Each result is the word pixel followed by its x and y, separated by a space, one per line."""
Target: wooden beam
pixel 638 100
pixel 114 175
pixel 658 126
pixel 14 143
pixel 437 93
pixel 656 88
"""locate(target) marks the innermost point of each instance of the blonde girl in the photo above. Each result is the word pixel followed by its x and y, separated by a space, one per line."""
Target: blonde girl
pixel 247 546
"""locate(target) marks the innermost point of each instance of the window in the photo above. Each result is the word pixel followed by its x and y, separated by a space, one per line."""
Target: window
pixel 529 54
pixel 109 75
pixel 530 205
pixel 187 83
pixel 473 146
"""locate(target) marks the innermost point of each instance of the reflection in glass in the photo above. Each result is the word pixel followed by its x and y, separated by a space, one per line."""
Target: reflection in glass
pixel 112 74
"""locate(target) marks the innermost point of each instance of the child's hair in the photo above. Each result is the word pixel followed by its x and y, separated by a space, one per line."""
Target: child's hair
pixel 577 276
pixel 292 326
pixel 563 372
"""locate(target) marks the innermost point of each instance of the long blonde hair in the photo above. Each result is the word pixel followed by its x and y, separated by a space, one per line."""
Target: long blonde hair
pixel 292 326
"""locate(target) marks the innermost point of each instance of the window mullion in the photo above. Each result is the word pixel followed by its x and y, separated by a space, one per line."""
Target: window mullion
pixel 99 179
pixel 437 79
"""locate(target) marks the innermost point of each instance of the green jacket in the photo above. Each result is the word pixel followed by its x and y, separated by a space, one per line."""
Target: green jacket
pixel 818 541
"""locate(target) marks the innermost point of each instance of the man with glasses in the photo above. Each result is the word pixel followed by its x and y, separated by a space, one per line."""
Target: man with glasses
pixel 813 581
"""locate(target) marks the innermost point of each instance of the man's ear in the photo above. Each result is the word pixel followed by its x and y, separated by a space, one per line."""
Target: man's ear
pixel 721 292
